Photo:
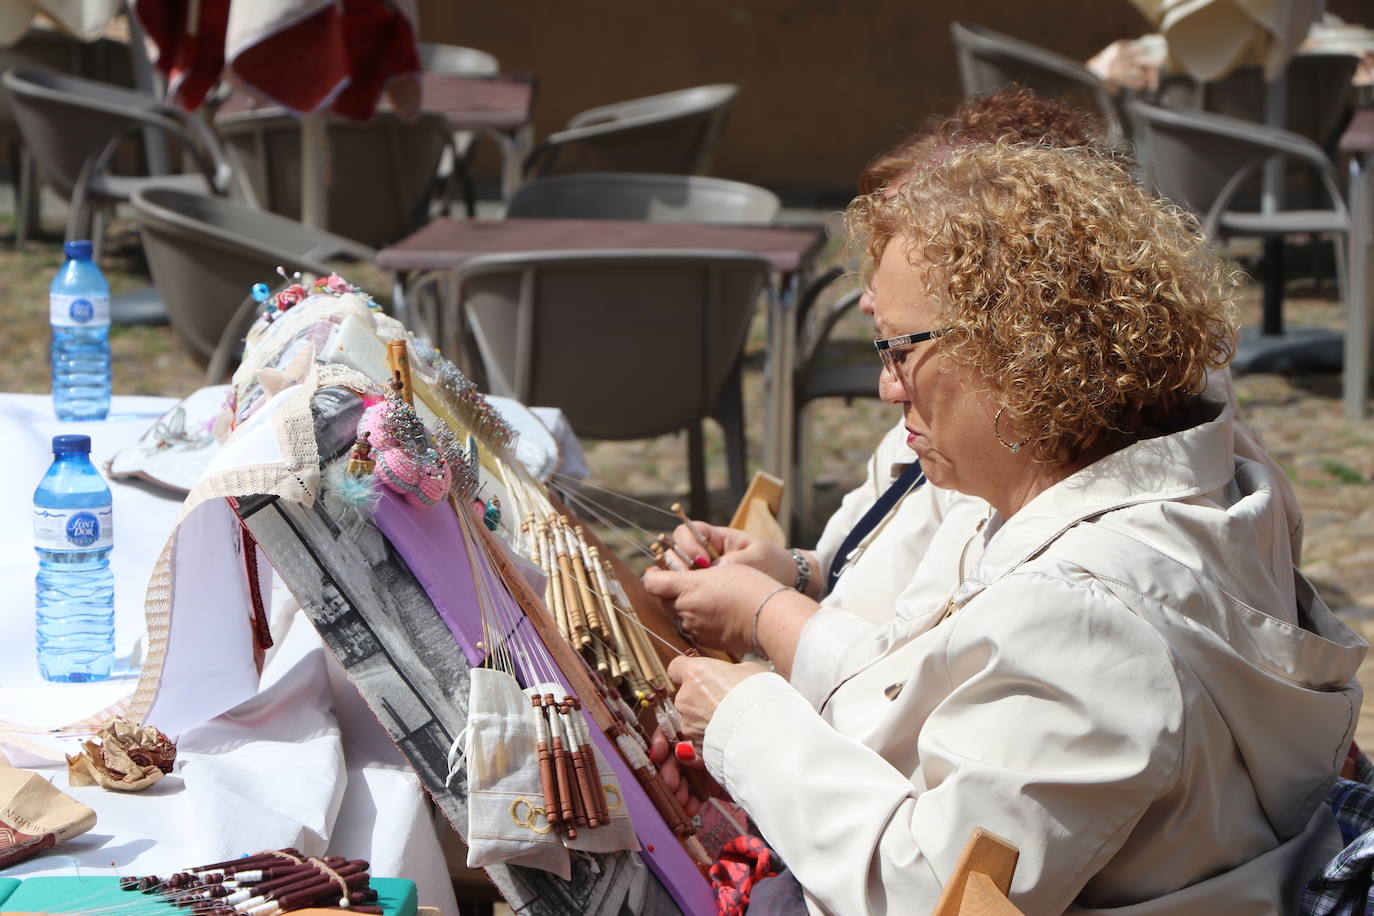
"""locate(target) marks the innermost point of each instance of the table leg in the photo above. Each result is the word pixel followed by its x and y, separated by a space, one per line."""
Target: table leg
pixel 400 307
pixel 771 407
pixel 1359 288
pixel 515 146
pixel 315 170
pixel 778 367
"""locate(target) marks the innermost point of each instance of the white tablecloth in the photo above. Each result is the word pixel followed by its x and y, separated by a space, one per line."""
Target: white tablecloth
pixel 303 763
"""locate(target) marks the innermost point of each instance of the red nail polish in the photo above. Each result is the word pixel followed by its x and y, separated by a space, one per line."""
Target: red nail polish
pixel 702 562
pixel 685 752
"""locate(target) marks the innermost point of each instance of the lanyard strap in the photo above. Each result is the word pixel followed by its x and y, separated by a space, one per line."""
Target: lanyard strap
pixel 907 481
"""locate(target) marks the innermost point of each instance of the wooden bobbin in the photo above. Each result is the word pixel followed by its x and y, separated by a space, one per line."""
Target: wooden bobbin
pixel 547 780
pixel 593 769
pixel 590 808
pixel 680 560
pixel 398 358
pixel 696 533
pixel 584 590
pixel 577 618
pixel 560 766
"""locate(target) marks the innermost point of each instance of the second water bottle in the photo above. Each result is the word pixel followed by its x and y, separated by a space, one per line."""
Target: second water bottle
pixel 79 309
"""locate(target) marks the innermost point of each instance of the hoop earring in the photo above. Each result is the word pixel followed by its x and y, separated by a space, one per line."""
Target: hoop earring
pixel 1012 447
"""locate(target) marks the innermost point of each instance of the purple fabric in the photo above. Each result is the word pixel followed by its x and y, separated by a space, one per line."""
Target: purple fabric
pixel 431 542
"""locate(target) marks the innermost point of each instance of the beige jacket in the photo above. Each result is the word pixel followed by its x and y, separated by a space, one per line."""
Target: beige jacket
pixel 1109 693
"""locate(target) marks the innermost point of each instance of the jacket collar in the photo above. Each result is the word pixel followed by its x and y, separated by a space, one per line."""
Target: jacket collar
pixel 1179 465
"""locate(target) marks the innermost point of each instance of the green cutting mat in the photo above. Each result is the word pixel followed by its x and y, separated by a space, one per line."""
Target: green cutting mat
pixel 74 895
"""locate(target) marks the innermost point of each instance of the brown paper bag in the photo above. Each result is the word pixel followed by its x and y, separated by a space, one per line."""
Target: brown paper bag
pixel 35 815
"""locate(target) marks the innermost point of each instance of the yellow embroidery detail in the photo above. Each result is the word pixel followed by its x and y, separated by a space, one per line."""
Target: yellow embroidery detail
pixel 531 820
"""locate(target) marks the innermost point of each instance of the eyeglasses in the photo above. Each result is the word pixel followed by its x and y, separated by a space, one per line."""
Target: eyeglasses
pixel 891 348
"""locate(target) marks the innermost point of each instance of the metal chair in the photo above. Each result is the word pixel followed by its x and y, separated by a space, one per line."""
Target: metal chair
pixel 989 60
pixel 826 368
pixel 629 344
pixel 675 132
pixel 205 254
pixel 47 49
pixel 1317 99
pixel 1318 94
pixel 37 50
pixel 657 198
pixel 455 166
pixel 382 172
pixel 1203 161
pixel 71 127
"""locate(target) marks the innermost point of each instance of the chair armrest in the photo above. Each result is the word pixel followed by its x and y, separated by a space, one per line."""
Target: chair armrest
pixel 602 113
pixel 819 332
pixel 1326 172
pixel 814 290
pixel 336 246
pixel 548 148
pixel 1268 141
pixel 571 134
pixel 205 139
pixel 97 161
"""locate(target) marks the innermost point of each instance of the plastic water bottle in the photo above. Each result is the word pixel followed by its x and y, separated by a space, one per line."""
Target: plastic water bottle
pixel 73 534
pixel 79 309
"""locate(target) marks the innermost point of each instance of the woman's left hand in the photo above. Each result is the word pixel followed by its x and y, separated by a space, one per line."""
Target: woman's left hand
pixel 715 605
pixel 702 683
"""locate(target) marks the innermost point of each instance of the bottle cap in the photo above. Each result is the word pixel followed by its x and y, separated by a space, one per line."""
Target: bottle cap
pixel 71 445
pixel 77 251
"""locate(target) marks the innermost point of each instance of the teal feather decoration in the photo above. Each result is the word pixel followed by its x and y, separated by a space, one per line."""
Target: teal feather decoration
pixel 349 495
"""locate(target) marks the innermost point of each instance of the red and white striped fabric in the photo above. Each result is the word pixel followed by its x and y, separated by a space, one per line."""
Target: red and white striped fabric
pixel 305 55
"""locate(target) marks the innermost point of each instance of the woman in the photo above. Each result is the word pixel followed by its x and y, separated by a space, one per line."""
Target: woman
pixel 1127 678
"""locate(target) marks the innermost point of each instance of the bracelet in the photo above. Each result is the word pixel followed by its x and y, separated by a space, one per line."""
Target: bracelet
pixel 754 636
pixel 803 571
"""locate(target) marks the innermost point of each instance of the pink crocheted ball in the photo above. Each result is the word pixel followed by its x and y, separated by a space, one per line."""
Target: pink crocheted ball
pixel 408 477
pixel 371 422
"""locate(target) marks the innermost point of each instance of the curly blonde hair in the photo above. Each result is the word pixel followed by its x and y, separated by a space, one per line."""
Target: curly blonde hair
pixel 1089 307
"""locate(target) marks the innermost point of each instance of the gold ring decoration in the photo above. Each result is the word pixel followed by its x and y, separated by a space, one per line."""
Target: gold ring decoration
pixel 531 819
pixel 610 792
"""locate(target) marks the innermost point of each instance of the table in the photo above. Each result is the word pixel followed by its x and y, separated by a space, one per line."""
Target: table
pixel 446 244
pixel 302 763
pixel 499 106
pixel 1358 142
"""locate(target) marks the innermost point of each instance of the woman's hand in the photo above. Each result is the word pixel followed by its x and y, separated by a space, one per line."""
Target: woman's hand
pixel 739 548
pixel 715 606
pixel 674 772
pixel 702 683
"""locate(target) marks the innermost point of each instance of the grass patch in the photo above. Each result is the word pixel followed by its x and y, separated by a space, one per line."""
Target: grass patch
pixel 1344 473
